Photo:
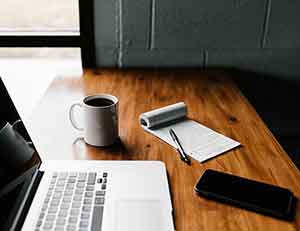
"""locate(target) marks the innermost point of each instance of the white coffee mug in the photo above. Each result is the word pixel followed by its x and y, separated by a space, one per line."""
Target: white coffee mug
pixel 100 119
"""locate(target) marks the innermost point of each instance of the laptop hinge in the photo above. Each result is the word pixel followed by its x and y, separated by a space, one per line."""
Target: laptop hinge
pixel 26 203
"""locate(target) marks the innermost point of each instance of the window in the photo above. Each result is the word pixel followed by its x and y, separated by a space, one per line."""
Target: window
pixel 39 16
pixel 39 23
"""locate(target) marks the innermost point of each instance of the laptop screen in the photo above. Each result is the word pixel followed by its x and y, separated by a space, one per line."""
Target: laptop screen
pixel 18 156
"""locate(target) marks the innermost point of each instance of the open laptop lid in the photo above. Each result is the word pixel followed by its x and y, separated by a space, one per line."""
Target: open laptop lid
pixel 15 176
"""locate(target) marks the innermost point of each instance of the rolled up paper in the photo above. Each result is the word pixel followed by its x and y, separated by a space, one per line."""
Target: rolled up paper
pixel 164 115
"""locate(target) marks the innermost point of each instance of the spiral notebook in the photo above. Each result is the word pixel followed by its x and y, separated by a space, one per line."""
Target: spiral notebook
pixel 199 141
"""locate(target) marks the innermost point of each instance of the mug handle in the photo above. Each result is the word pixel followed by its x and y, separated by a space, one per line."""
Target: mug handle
pixel 72 117
pixel 16 124
pixel 15 127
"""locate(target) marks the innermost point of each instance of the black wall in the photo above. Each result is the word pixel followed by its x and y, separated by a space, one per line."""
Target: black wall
pixel 255 35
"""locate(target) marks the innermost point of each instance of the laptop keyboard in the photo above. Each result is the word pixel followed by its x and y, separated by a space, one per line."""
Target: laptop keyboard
pixel 74 201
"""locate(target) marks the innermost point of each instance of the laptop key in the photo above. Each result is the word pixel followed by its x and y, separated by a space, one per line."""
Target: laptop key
pixel 82 176
pixel 71 228
pixel 72 174
pixel 63 175
pixel 68 192
pixel 41 216
pixel 61 221
pixel 54 202
pixel 79 191
pixel 50 217
pixel 73 220
pixel 65 206
pixel 76 205
pixel 60 183
pixel 67 199
pixel 87 201
pixel 62 179
pixel 39 223
pixel 85 215
pixel 57 195
pixel 77 198
pixel 63 213
pixel 99 200
pixel 90 188
pixel 86 208
pixel 97 218
pixel 71 180
pixel 59 189
pixel 75 212
pixel 59 228
pixel 48 226
pixel 70 186
pixel 91 178
pixel 47 199
pixel 83 224
pixel 80 185
pixel 100 193
pixel 88 194
pixel 52 209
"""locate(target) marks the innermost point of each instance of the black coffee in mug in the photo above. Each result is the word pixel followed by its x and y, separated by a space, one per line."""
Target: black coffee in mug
pixel 99 102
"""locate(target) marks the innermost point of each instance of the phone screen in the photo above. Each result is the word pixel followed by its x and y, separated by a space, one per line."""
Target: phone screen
pixel 245 193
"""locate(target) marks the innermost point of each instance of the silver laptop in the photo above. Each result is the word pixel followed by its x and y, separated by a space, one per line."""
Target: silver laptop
pixel 81 195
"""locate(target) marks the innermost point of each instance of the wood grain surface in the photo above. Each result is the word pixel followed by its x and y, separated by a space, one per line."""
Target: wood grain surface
pixel 212 99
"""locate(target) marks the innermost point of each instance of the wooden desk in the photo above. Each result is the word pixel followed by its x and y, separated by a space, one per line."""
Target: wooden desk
pixel 212 99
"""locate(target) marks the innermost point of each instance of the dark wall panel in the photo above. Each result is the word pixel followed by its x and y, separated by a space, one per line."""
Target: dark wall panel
pixel 106 40
pixel 107 56
pixel 256 35
pixel 284 24
pixel 135 17
pixel 209 23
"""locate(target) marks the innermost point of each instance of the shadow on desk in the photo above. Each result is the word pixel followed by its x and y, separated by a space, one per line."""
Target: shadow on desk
pixel 276 99
pixel 116 149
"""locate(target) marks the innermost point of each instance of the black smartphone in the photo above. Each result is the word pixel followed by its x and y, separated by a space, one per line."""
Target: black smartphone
pixel 248 194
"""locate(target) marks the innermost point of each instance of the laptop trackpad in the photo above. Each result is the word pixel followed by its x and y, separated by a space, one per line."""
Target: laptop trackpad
pixel 137 215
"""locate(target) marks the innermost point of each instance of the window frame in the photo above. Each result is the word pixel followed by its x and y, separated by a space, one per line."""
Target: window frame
pixel 84 40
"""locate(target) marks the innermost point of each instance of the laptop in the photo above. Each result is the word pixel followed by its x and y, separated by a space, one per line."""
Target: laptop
pixel 81 195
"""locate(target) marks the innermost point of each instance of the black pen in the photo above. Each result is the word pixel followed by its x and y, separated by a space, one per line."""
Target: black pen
pixel 183 155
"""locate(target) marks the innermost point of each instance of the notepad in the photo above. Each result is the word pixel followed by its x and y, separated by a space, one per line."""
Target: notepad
pixel 199 141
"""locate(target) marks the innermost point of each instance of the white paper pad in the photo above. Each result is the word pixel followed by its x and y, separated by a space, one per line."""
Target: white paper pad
pixel 200 142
